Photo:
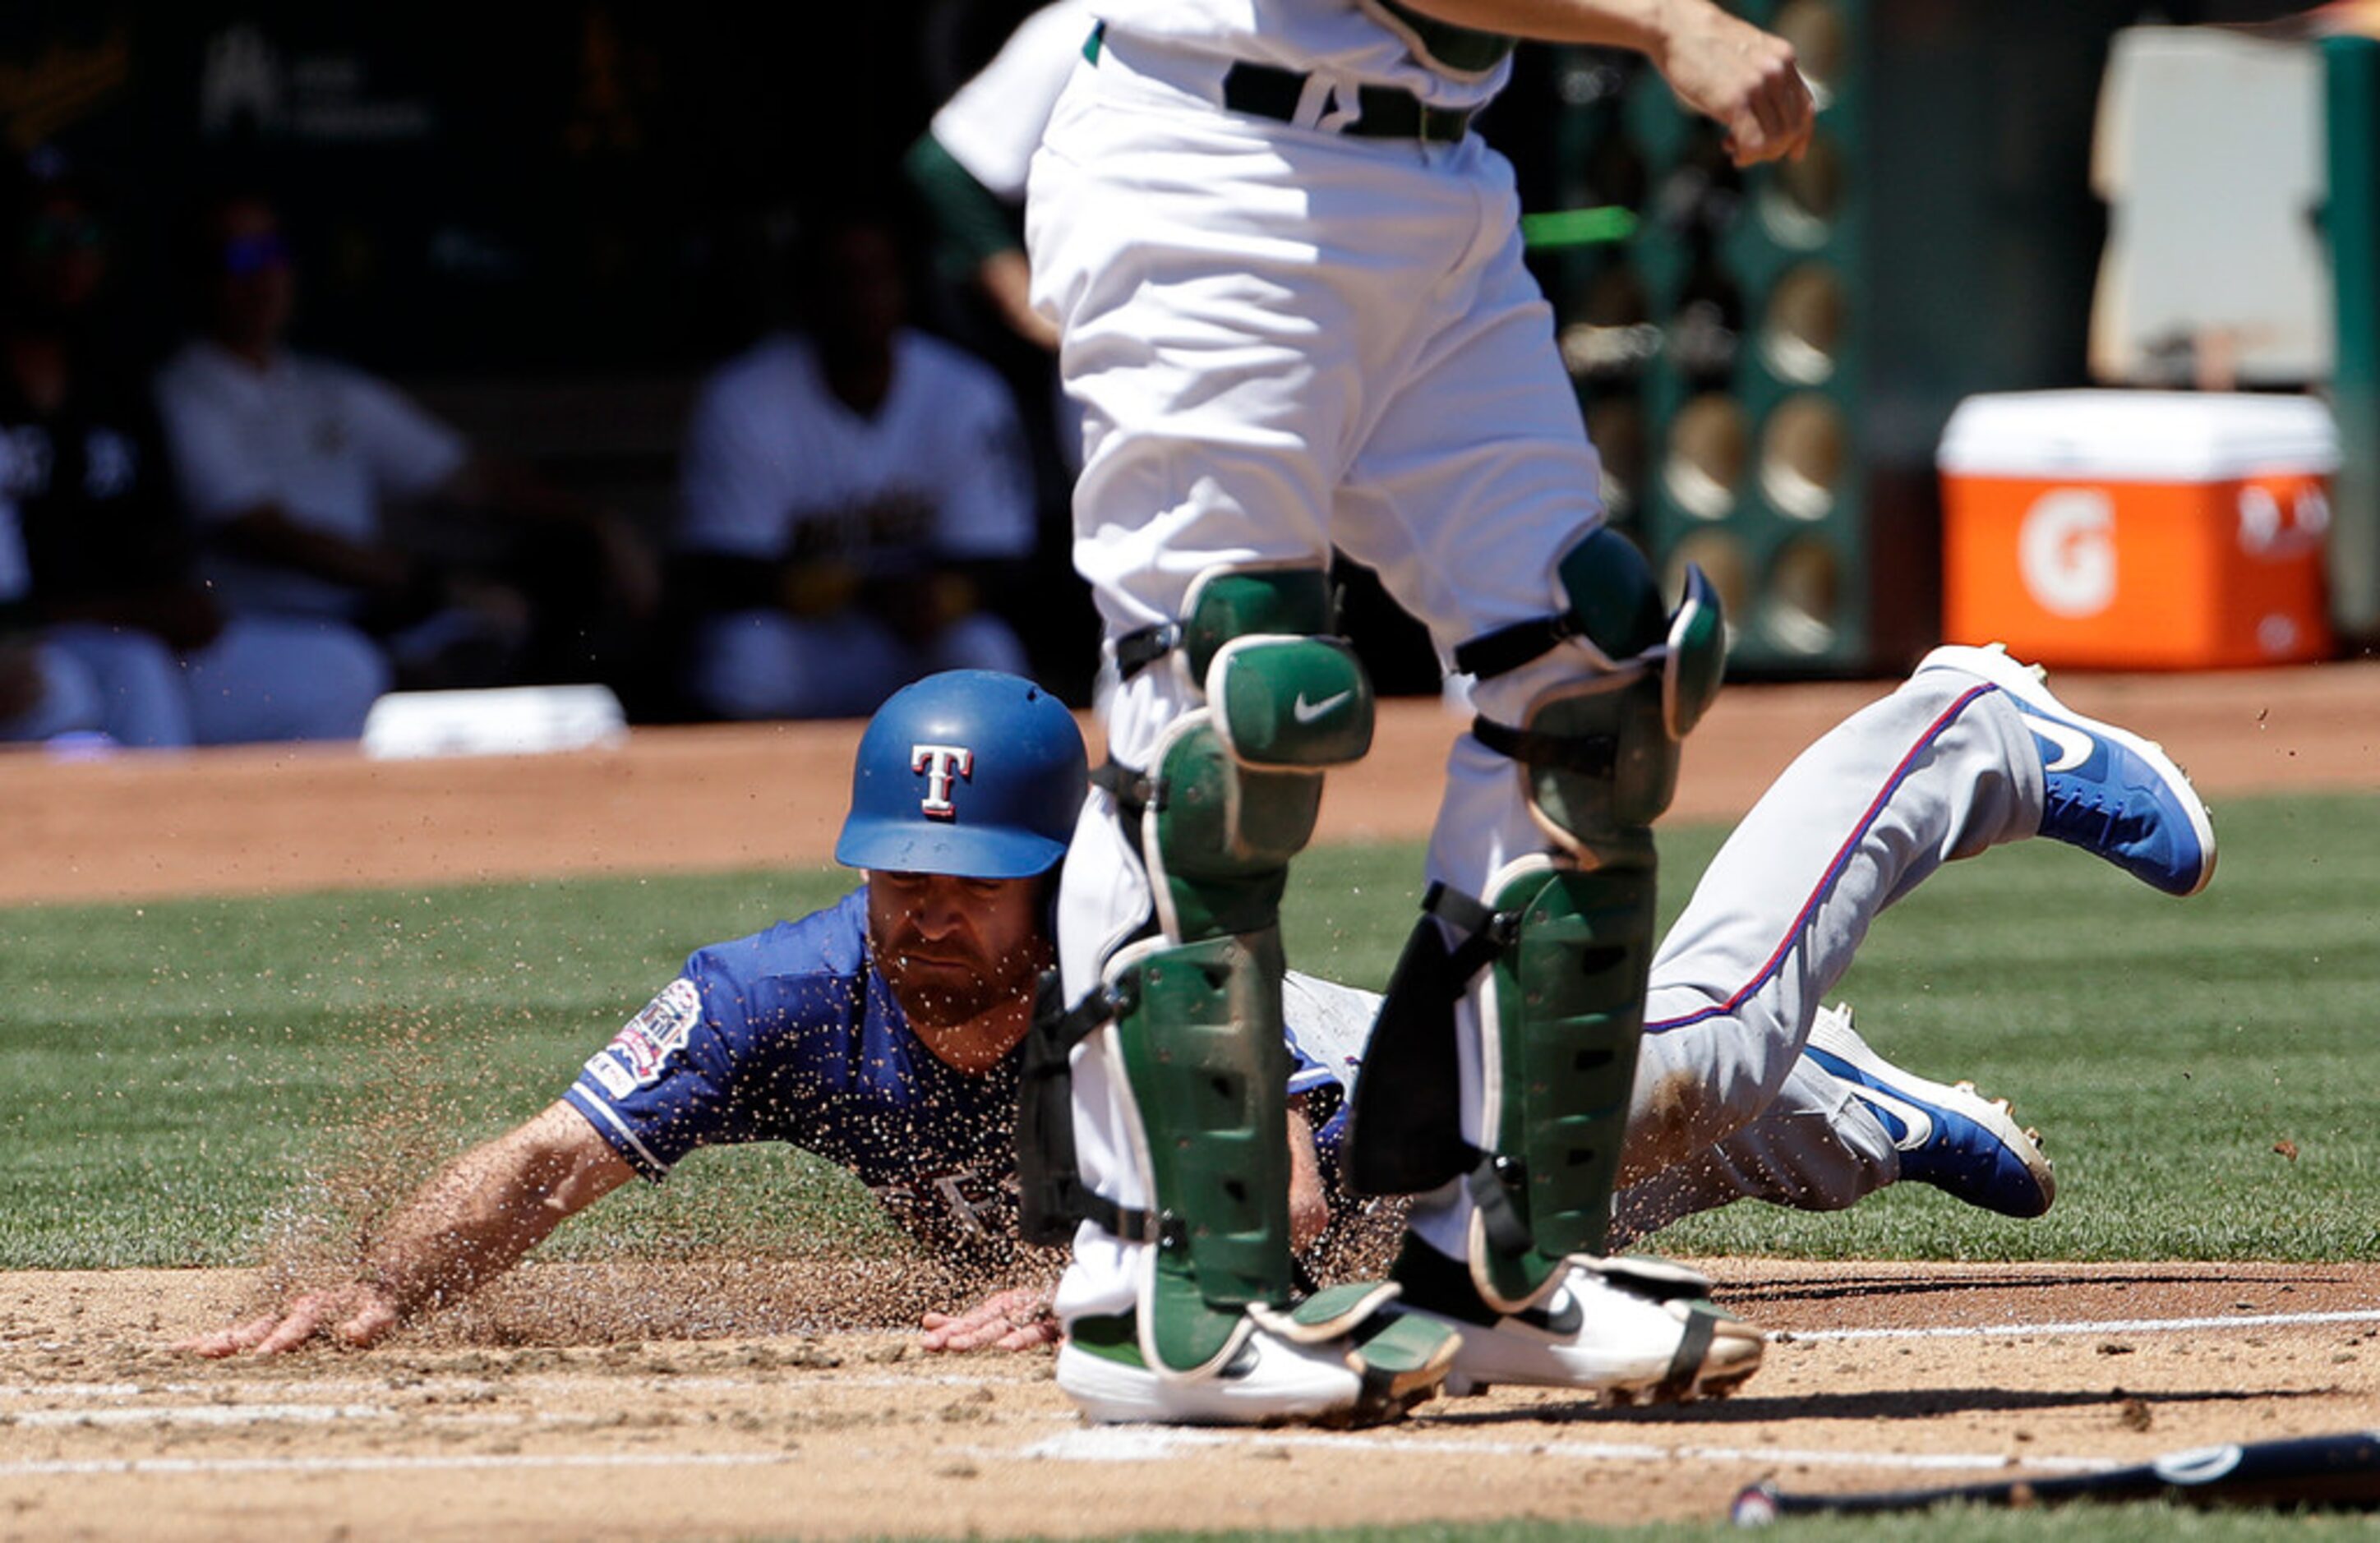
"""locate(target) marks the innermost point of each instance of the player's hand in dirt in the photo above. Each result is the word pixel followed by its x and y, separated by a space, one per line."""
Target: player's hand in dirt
pixel 1018 1318
pixel 355 1316
pixel 1747 79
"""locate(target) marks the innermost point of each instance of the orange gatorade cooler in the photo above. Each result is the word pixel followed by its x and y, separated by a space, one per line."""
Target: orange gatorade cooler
pixel 2138 529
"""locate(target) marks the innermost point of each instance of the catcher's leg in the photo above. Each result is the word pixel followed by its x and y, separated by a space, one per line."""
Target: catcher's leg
pixel 1182 1044
pixel 1502 1070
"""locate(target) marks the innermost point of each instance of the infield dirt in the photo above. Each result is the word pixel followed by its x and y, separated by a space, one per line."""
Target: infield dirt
pixel 503 1427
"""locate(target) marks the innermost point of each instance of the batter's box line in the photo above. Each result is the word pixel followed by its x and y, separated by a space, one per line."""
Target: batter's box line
pixel 104 1466
pixel 2084 1326
pixel 407 1383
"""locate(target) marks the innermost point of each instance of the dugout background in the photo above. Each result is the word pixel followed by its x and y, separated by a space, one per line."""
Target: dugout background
pixel 547 219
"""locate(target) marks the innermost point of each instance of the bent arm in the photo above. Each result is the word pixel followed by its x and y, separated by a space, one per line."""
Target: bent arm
pixel 470 1223
pixel 1718 65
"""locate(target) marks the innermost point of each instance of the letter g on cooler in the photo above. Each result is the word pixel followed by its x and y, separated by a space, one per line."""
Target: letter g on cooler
pixel 2067 551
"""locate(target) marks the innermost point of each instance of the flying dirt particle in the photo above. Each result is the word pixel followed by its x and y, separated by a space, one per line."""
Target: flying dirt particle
pixel 2134 1414
pixel 2287 1148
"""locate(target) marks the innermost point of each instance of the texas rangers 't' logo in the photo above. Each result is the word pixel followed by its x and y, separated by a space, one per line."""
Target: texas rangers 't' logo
pixel 940 763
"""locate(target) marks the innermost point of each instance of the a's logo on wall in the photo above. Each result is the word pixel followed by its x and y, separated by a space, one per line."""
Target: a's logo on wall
pixel 942 765
pixel 241 81
pixel 2066 552
pixel 326 98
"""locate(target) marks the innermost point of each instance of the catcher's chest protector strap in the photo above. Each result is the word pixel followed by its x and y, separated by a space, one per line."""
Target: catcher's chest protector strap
pixel 1054 1198
pixel 1404 1121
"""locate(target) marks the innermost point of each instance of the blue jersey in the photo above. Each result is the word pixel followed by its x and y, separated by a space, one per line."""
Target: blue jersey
pixel 791 1034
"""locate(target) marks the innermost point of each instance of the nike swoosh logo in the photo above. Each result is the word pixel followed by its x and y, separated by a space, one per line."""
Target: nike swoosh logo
pixel 1306 712
pixel 2074 747
pixel 1917 1126
pixel 1562 1318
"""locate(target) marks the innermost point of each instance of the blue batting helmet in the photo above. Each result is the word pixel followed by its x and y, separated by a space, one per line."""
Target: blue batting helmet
pixel 969 772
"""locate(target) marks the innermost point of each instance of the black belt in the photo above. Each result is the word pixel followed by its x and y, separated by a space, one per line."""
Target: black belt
pixel 1382 112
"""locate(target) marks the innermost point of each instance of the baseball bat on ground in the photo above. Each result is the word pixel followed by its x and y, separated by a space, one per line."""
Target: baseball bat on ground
pixel 2332 1472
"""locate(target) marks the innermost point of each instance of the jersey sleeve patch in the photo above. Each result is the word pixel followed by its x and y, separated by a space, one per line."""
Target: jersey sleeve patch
pixel 638 1053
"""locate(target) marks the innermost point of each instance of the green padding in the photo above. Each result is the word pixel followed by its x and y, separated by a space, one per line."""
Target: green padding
pixel 1607 813
pixel 1201 1035
pixel 1241 603
pixel 1570 997
pixel 970 221
pixel 1332 1302
pixel 1697 653
pixel 1613 595
pixel 1225 833
pixel 1293 702
pixel 1112 1335
pixel 1403 1344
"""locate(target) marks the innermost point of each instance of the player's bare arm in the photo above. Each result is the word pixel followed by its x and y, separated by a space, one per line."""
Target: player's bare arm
pixel 1718 65
pixel 1006 281
pixel 470 1223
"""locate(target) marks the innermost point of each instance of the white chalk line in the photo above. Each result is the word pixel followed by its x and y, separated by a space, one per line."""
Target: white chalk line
pixel 216 1466
pixel 1153 1443
pixel 2088 1326
pixel 462 1387
pixel 202 1413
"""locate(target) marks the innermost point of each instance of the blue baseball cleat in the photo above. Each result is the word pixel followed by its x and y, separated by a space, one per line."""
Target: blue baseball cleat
pixel 2106 790
pixel 1948 1135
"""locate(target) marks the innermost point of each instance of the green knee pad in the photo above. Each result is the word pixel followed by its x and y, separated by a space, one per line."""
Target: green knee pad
pixel 1200 1034
pixel 1237 785
pixel 1568 1005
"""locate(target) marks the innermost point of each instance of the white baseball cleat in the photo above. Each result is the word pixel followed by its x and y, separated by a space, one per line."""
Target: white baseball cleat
pixel 1269 1380
pixel 1634 1329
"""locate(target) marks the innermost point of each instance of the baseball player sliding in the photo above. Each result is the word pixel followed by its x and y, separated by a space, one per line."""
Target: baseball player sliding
pixel 1289 287
pixel 887 1032
pixel 881 1033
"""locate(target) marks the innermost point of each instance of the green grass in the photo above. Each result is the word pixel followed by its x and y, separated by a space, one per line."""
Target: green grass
pixel 197 1082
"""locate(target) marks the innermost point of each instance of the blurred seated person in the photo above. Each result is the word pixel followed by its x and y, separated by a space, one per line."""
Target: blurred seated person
pixel 849 496
pixel 106 628
pixel 288 464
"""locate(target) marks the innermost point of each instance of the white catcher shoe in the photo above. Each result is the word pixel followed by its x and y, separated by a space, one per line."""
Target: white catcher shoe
pixel 1291 1368
pixel 1635 1329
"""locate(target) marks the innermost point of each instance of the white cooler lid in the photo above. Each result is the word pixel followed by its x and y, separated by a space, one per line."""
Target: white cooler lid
pixel 2140 436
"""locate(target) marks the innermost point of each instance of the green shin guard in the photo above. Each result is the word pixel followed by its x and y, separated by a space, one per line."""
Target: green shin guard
pixel 1568 1001
pixel 1568 995
pixel 1235 790
pixel 1199 1029
pixel 1571 936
